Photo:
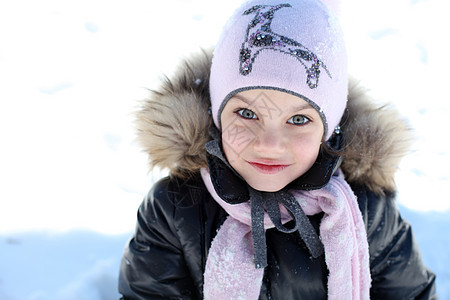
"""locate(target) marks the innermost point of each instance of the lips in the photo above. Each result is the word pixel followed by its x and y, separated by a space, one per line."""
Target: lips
pixel 268 167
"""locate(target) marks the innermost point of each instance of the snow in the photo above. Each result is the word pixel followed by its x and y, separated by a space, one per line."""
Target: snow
pixel 73 265
pixel 72 176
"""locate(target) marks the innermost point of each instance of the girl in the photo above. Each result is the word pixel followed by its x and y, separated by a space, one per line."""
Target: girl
pixel 265 198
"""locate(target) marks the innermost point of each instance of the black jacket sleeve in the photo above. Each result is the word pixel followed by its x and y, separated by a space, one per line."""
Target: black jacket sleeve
pixel 396 264
pixel 153 264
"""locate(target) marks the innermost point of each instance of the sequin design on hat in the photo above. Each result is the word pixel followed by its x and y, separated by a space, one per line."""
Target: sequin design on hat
pixel 260 37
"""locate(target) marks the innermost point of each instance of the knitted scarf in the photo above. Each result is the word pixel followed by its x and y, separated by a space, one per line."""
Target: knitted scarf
pixel 230 270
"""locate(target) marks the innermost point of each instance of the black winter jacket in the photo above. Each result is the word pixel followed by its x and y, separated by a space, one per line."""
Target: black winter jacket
pixel 179 219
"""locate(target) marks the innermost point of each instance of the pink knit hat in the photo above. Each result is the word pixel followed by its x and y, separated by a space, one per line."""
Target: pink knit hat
pixel 294 46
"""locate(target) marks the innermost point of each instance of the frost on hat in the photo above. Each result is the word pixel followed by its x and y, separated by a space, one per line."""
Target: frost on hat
pixel 294 46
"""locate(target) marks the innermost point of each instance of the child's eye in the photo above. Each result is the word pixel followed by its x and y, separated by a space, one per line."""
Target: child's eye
pixel 299 120
pixel 247 113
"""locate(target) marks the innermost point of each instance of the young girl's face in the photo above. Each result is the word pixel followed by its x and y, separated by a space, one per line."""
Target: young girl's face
pixel 270 137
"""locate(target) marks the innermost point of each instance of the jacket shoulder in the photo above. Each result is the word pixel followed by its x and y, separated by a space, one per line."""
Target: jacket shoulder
pixel 165 258
pixel 177 193
pixel 185 205
pixel 396 265
pixel 153 264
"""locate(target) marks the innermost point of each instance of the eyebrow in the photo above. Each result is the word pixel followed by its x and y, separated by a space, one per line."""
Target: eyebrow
pixel 242 99
pixel 300 107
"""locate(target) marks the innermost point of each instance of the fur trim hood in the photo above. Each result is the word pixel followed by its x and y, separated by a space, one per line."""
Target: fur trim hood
pixel 173 127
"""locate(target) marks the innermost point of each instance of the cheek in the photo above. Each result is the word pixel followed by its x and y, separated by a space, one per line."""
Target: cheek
pixel 306 147
pixel 236 137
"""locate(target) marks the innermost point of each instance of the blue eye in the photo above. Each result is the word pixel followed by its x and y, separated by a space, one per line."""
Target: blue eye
pixel 247 113
pixel 299 120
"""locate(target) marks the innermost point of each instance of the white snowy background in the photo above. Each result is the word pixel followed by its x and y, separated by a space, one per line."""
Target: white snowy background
pixel 71 175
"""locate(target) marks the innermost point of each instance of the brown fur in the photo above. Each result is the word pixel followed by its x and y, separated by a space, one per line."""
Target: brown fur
pixel 173 127
pixel 376 140
pixel 173 123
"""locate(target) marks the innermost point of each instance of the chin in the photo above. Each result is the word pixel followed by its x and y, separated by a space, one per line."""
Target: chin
pixel 267 187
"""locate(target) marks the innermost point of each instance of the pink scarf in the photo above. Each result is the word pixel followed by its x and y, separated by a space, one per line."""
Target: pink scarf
pixel 230 272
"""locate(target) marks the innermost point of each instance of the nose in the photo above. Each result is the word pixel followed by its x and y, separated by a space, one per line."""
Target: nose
pixel 269 142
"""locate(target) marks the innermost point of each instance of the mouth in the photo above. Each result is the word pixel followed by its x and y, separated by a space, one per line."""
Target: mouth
pixel 268 168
